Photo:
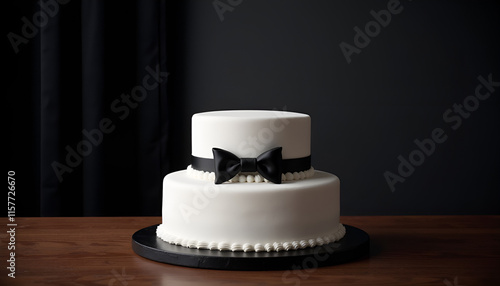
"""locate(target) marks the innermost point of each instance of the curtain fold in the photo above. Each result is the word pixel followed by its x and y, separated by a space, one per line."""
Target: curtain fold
pixel 149 90
pixel 93 101
pixel 102 129
pixel 50 116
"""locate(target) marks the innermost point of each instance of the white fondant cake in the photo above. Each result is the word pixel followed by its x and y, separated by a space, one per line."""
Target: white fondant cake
pixel 215 203
pixel 251 132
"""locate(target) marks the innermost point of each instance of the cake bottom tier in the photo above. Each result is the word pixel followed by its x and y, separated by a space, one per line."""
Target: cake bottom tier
pixel 250 216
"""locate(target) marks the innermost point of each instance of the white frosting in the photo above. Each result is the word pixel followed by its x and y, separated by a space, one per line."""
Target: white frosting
pixel 243 217
pixel 164 234
pixel 248 178
pixel 249 133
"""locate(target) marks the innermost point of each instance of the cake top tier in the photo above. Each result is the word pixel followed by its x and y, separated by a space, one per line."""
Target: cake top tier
pixel 249 133
pixel 251 114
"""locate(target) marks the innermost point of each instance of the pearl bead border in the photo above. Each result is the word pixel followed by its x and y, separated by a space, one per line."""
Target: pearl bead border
pixel 249 178
pixel 277 246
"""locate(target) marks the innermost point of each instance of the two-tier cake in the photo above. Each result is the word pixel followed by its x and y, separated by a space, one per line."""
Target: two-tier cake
pixel 250 186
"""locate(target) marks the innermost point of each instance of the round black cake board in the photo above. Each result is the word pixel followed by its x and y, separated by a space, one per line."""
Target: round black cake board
pixel 354 245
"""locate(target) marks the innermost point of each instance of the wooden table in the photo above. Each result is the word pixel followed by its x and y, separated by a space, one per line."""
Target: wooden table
pixel 405 250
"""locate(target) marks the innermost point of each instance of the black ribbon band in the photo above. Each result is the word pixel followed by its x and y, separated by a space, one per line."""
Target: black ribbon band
pixel 269 164
pixel 288 165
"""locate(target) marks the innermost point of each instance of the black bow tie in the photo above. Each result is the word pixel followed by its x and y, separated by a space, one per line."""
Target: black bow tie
pixel 228 165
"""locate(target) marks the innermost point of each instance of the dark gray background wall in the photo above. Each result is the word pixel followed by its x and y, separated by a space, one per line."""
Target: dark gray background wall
pixel 366 113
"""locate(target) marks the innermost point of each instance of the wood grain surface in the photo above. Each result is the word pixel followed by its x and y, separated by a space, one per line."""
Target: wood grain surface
pixel 405 250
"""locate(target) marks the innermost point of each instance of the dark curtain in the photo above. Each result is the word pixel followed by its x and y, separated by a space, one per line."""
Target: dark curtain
pixel 88 109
